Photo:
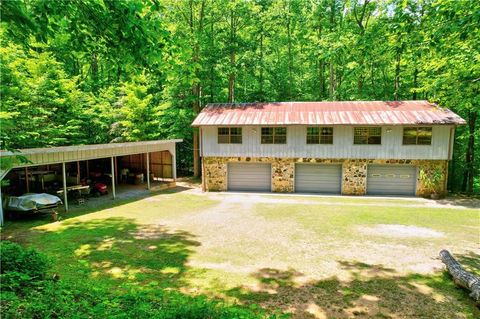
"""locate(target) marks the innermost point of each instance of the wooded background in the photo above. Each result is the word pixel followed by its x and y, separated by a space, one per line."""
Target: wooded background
pixel 97 71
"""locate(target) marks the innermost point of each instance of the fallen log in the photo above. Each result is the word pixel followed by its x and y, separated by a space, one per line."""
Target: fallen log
pixel 461 277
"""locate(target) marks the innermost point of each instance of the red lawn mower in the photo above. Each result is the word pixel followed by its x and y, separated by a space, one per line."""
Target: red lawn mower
pixel 97 188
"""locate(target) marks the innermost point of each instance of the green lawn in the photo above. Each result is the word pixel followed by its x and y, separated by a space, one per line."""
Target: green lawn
pixel 302 255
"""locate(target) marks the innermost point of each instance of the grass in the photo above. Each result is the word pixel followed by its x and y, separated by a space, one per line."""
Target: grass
pixel 307 259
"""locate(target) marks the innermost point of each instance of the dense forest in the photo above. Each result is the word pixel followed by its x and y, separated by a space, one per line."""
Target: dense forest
pixel 98 71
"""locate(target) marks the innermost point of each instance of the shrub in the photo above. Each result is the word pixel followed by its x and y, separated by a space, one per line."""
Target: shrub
pixel 82 300
pixel 21 267
pixel 431 179
pixel 28 293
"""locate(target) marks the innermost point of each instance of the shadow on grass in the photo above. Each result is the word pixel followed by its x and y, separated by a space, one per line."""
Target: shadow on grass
pixel 118 252
pixel 465 201
pixel 470 261
pixel 13 227
pixel 372 292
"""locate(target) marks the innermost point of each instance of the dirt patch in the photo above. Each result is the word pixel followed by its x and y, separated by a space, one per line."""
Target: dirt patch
pixel 401 231
pixel 294 199
pixel 463 202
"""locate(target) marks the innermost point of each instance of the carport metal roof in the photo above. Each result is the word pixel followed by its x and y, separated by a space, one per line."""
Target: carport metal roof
pixel 65 154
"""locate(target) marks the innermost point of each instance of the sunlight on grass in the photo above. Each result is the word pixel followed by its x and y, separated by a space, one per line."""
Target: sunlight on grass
pixel 323 260
pixel 83 251
pixel 344 219
pixel 144 211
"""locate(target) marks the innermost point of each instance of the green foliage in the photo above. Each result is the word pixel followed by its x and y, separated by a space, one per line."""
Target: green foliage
pixel 20 267
pixel 137 118
pixel 41 105
pixel 100 71
pixel 76 300
pixel 431 179
pixel 28 293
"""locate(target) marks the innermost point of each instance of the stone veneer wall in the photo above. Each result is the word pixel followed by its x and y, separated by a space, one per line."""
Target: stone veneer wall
pixel 354 172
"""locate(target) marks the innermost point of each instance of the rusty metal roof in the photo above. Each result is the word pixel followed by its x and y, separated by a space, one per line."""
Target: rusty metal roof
pixel 327 113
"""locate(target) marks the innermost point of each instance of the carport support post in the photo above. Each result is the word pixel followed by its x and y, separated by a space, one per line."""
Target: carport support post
pixel 148 171
pixel 174 166
pixel 65 200
pixel 113 177
pixel 27 180
pixel 3 173
pixel 1 205
pixel 78 172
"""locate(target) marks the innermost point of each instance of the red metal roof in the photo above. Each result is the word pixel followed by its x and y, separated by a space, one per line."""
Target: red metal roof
pixel 327 113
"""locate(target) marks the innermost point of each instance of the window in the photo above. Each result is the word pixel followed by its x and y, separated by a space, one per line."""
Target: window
pixel 319 135
pixel 274 135
pixel 367 135
pixel 229 135
pixel 417 136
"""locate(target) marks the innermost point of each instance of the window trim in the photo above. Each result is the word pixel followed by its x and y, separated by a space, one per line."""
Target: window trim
pixel 416 136
pixel 229 134
pixel 273 135
pixel 368 127
pixel 320 128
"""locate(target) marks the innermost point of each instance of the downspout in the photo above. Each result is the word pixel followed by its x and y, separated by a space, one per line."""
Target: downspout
pixel 201 156
pixel 450 143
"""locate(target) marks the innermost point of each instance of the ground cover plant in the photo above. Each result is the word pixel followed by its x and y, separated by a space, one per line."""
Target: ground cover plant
pixel 30 290
pixel 305 258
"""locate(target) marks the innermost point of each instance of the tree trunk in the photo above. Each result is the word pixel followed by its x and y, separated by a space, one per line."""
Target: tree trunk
pixel 332 80
pixel 321 62
pixel 322 79
pixel 94 66
pixel 196 153
pixel 261 94
pixel 415 83
pixel 196 87
pixel 468 176
pixel 461 277
pixel 231 76
pixel 231 80
pixel 212 65
pixel 196 110
pixel 372 77
pixel 398 59
pixel 290 58
pixel 362 22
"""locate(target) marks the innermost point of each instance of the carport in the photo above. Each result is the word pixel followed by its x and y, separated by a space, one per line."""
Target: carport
pixel 157 158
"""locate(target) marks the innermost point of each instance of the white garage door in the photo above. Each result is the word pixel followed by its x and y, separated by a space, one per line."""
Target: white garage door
pixel 391 180
pixel 318 178
pixel 249 177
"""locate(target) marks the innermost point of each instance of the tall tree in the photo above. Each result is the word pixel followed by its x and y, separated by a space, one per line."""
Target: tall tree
pixel 98 71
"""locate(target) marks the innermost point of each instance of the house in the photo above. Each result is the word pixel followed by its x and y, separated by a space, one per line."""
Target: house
pixel 350 148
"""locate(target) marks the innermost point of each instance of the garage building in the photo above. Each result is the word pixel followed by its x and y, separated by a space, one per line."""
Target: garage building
pixel 339 147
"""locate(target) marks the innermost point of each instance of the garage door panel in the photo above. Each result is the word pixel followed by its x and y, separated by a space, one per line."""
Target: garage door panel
pixel 318 178
pixel 391 180
pixel 249 177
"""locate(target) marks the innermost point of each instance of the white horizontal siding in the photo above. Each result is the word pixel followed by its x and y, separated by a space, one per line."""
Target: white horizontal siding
pixel 342 147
